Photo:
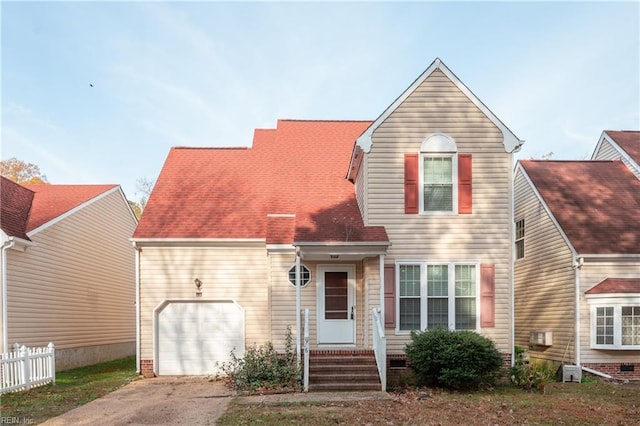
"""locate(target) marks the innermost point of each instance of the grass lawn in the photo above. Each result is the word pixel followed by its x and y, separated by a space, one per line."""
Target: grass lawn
pixel 562 403
pixel 72 389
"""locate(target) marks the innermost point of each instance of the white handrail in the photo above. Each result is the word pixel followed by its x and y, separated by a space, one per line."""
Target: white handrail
pixel 379 346
pixel 306 350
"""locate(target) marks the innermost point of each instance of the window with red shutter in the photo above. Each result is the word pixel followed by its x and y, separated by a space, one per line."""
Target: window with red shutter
pixel 389 296
pixel 465 190
pixel 487 295
pixel 411 186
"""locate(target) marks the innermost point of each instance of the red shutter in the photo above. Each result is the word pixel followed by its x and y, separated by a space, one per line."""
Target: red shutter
pixel 487 295
pixel 465 199
pixel 411 183
pixel 389 296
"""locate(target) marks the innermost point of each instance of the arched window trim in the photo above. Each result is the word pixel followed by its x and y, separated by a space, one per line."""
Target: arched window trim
pixel 438 142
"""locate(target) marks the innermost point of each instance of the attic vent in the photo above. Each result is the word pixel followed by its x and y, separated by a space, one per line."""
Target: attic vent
pixel 541 338
pixel 627 367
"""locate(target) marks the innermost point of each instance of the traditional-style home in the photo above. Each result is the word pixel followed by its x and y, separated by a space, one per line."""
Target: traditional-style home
pixel 577 267
pixel 68 271
pixel 377 228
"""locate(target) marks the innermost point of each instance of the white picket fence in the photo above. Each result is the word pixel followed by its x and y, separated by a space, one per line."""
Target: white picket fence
pixel 24 368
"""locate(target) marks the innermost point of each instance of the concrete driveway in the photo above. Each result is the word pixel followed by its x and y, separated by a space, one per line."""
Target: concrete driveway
pixel 157 401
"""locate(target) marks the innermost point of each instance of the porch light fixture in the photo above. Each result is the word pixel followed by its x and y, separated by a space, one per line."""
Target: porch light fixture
pixel 198 284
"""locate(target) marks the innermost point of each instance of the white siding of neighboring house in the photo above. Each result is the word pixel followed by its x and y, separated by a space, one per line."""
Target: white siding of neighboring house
pixel 75 286
pixel 544 280
pixel 591 274
pixel 438 106
pixel 234 273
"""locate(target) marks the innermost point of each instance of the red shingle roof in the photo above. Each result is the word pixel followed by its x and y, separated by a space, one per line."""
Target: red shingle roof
pixel 298 168
pixel 627 140
pixel 596 203
pixel 616 285
pixel 51 201
pixel 15 203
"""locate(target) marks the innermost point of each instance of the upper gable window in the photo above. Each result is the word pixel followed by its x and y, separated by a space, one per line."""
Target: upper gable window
pixel 438 179
pixel 439 174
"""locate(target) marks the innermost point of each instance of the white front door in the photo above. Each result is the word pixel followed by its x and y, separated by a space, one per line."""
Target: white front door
pixel 336 304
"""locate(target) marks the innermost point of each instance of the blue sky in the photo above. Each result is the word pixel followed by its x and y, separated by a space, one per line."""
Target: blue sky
pixel 208 73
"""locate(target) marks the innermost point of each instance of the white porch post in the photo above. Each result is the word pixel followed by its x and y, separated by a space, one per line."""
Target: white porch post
pixel 381 272
pixel 298 307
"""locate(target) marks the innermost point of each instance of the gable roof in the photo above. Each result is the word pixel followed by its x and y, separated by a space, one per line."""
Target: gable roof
pixel 510 140
pixel 15 204
pixel 629 141
pixel 616 285
pixel 289 186
pixel 595 203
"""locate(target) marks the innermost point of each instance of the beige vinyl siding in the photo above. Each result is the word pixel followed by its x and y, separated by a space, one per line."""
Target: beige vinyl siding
pixel 75 286
pixel 544 279
pixel 361 189
pixel 438 106
pixel 609 152
pixel 591 274
pixel 226 273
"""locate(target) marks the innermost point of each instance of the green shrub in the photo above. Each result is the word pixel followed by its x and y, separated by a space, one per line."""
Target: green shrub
pixel 453 359
pixel 262 368
pixel 530 376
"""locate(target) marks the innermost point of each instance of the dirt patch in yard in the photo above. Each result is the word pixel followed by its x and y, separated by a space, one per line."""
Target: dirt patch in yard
pixel 562 403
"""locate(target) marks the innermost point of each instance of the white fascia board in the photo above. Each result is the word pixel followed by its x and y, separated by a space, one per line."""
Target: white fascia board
pixel 126 202
pixel 510 140
pixel 612 298
pixel 342 244
pixel 198 242
pixel 280 247
pixel 520 169
pixel 614 256
pixel 72 211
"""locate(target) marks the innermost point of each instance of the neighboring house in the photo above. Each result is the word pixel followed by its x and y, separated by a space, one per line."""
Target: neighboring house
pixel 68 271
pixel 577 281
pixel 409 214
pixel 620 145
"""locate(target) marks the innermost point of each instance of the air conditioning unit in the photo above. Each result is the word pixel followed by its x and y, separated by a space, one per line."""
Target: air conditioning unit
pixel 571 373
pixel 541 338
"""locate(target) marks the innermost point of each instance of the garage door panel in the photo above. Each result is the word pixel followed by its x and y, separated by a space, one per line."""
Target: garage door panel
pixel 192 337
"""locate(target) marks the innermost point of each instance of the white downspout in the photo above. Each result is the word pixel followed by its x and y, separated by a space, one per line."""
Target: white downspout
pixel 381 272
pixel 137 257
pixel 578 267
pixel 298 307
pixel 5 326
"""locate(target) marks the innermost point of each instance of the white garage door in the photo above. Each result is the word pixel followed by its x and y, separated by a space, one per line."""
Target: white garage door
pixel 193 336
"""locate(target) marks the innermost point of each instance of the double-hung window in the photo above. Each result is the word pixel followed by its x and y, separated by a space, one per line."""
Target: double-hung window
pixel 519 240
pixel 437 295
pixel 438 188
pixel 615 324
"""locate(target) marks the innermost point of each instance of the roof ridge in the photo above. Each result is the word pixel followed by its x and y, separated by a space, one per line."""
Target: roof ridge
pixel 213 147
pixel 324 121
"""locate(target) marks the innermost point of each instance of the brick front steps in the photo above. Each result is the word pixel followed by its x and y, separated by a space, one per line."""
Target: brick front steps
pixel 343 370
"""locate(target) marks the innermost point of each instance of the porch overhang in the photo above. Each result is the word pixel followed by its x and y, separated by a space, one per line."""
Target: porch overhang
pixel 340 251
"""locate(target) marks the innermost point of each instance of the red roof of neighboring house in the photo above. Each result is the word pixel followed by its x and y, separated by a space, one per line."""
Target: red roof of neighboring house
pixel 616 285
pixel 15 203
pixel 51 201
pixel 627 140
pixel 296 169
pixel 596 203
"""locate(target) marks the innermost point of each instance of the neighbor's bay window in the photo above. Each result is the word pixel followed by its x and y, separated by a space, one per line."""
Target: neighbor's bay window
pixel 437 295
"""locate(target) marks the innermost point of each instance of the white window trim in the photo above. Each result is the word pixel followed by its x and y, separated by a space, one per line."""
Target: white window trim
pixel 454 182
pixel 516 239
pixel 423 293
pixel 302 266
pixel 610 301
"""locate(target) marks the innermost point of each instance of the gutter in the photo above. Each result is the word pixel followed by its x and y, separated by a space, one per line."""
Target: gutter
pixel 5 326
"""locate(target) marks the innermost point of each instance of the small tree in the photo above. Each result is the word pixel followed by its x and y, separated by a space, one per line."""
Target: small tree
pixel 21 172
pixel 453 359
